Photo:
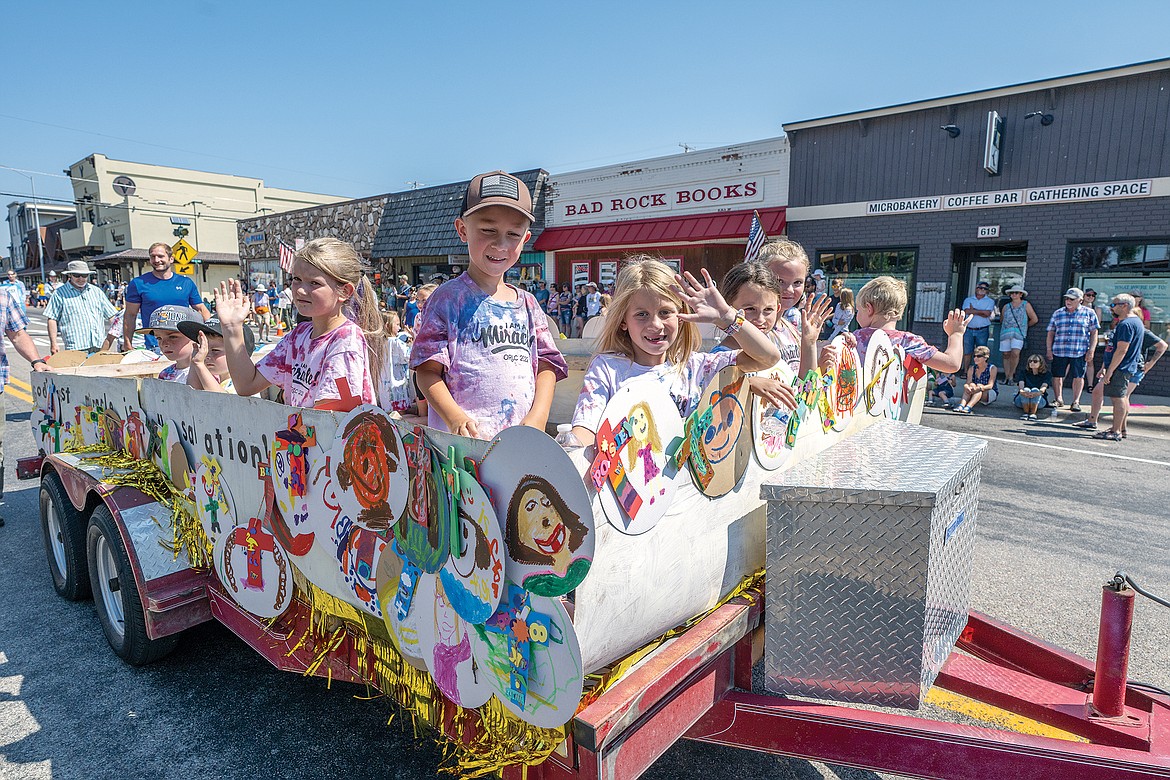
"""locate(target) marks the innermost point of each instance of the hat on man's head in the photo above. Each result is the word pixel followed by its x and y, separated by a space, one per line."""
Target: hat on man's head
pixel 592 284
pixel 79 267
pixel 1017 288
pixel 983 285
pixel 168 318
pixel 52 273
pixel 497 189
pixel 1074 292
pixel 192 329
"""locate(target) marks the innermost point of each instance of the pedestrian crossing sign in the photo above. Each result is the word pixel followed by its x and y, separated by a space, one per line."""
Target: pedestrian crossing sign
pixel 184 255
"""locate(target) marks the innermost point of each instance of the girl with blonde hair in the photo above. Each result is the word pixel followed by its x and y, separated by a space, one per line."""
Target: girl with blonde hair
pixel 651 331
pixel 328 361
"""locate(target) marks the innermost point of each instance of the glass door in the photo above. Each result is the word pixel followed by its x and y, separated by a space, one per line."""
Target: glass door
pixel 1000 274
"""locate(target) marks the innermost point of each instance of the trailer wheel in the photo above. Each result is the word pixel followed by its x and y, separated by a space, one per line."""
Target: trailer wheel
pixel 116 597
pixel 63 528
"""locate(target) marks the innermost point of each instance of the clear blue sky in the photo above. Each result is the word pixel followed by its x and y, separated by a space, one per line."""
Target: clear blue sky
pixel 357 99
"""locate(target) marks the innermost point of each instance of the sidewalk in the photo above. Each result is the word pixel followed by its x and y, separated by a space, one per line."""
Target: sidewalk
pixel 1149 415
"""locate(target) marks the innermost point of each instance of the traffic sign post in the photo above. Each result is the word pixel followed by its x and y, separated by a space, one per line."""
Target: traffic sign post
pixel 184 255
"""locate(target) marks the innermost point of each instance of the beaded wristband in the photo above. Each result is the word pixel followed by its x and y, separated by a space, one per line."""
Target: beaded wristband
pixel 736 324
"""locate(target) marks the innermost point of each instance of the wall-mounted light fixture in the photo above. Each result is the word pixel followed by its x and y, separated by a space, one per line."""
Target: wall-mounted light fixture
pixel 1045 119
pixel 952 130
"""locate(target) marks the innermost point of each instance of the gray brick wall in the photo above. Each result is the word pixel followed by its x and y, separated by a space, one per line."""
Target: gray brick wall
pixel 1047 230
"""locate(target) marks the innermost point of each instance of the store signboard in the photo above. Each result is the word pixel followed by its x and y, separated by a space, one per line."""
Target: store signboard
pixel 580 274
pixel 993 143
pixel 728 178
pixel 1032 196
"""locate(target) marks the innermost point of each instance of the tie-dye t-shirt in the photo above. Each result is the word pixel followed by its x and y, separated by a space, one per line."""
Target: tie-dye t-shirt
pixel 609 372
pixel 915 346
pixel 307 369
pixel 490 352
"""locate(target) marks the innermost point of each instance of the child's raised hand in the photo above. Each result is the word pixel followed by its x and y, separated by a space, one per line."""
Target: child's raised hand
pixel 816 311
pixel 703 298
pixel 199 353
pixel 956 322
pixel 232 306
pixel 773 391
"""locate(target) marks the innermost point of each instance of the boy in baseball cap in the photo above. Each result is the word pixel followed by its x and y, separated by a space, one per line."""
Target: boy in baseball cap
pixel 209 369
pixel 483 356
pixel 164 326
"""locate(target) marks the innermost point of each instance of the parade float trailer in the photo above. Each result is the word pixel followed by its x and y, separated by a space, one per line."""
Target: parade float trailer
pixel 572 614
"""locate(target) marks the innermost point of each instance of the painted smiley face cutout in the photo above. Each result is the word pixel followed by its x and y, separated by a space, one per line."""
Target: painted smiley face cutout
pixel 727 419
pixel 717 440
pixel 215 508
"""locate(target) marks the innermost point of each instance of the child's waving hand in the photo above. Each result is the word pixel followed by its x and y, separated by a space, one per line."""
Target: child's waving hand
pixel 704 299
pixel 231 304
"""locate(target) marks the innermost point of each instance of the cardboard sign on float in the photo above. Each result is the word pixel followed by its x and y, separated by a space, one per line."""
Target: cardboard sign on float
pixel 633 472
pixel 770 423
pixel 717 441
pixel 545 511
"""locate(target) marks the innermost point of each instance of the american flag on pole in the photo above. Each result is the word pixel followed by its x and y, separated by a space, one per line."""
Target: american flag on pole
pixel 756 238
pixel 286 256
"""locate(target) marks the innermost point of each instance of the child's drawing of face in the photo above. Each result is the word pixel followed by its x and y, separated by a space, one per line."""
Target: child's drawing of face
pixel 726 424
pixel 540 526
pixel 639 423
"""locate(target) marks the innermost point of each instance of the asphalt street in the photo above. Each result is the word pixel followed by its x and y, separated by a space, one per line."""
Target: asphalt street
pixel 1059 514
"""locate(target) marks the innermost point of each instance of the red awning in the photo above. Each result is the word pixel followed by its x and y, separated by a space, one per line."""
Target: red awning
pixel 705 227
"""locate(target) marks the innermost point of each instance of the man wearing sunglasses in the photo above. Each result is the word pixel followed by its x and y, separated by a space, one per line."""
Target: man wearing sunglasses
pixel 1121 362
pixel 79 312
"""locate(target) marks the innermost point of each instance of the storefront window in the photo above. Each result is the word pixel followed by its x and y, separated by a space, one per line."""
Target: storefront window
pixel 1126 267
pixel 856 267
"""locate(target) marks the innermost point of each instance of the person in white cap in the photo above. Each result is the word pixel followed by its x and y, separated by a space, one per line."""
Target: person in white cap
pixel 55 282
pixel 79 312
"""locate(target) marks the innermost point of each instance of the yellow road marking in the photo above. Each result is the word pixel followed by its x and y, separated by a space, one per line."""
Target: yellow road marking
pixel 18 394
pixel 995 716
pixel 25 386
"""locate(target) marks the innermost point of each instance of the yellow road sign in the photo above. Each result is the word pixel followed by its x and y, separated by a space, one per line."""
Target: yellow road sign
pixel 184 255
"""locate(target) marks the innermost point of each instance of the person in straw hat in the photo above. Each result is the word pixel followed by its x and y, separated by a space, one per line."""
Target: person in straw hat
pixel 1015 318
pixel 79 312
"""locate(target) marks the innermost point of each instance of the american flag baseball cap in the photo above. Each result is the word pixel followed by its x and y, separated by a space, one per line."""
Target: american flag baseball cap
pixel 497 189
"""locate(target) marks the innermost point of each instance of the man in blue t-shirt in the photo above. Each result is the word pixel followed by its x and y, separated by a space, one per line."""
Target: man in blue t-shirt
pixel 161 287
pixel 1120 363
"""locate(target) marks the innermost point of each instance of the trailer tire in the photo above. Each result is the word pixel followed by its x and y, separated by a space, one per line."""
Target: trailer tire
pixel 116 597
pixel 63 529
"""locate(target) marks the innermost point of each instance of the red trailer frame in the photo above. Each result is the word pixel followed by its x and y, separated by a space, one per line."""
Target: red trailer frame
pixel 698 685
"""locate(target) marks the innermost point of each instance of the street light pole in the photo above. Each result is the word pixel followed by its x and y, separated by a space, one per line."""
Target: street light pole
pixel 37 226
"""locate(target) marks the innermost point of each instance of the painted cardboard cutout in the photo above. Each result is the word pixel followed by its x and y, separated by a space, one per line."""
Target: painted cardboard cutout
pixel 880 371
pixel 530 656
pixel 172 455
pixel 424 531
pixel 215 507
pixel 293 454
pixel 358 556
pixel 845 392
pixel 633 472
pixel 717 442
pixel 449 656
pixel 548 520
pixel 770 423
pixel 894 384
pixel 473 576
pixel 252 566
pixel 402 587
pixel 368 465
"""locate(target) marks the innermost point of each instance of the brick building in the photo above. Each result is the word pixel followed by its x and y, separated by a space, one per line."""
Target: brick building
pixel 1051 184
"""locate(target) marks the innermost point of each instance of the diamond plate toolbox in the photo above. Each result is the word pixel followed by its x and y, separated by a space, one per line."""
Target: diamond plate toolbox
pixel 869 564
